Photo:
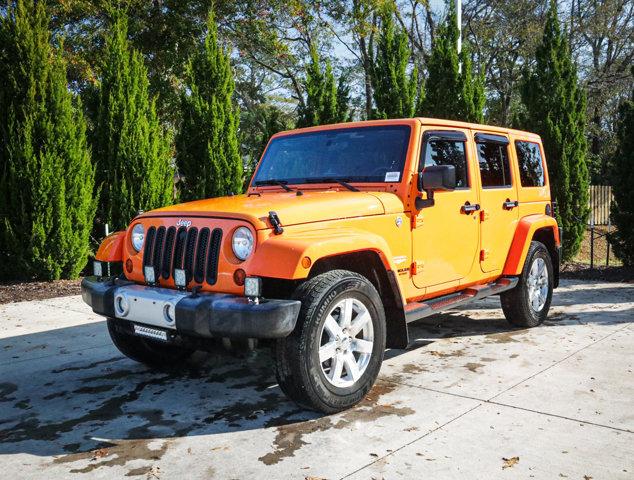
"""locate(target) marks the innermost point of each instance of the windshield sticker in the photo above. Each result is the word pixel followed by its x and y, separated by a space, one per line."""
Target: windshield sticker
pixel 392 176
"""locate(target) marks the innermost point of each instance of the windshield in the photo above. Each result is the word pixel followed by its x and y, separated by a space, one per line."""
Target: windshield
pixel 366 154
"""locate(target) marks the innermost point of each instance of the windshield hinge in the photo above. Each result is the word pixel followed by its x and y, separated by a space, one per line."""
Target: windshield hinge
pixel 275 223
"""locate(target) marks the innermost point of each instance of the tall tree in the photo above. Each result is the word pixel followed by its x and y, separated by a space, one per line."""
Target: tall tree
pixel 556 109
pixel 623 184
pixel 395 90
pixel 207 144
pixel 323 94
pixel 454 90
pixel 46 186
pixel 344 112
pixel 132 151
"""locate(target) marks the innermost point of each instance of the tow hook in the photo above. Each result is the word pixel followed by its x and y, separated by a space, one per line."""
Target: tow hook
pixel 275 223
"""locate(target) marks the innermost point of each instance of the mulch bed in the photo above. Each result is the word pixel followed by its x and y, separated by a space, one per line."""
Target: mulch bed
pixel 23 291
pixel 581 271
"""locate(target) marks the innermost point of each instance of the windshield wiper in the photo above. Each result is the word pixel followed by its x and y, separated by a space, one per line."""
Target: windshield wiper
pixel 279 183
pixel 341 181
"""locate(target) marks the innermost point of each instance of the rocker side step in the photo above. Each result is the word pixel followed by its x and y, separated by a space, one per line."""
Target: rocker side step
pixel 417 310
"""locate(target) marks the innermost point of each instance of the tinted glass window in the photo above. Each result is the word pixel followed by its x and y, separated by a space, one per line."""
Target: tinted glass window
pixel 495 170
pixel 448 152
pixel 367 154
pixel 530 162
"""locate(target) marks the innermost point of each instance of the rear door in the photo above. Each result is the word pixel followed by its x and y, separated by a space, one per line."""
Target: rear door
pixel 498 200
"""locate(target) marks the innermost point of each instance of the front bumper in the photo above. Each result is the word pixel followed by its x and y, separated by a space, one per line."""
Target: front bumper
pixel 203 315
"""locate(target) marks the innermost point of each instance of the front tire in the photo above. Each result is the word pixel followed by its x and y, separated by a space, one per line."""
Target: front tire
pixel 152 353
pixel 332 358
pixel 528 303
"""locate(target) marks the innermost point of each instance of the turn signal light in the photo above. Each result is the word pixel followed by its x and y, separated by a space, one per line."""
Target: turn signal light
pixel 238 277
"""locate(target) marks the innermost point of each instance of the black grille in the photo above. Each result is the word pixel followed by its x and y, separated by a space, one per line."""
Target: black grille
pixel 212 259
pixel 181 236
pixel 201 253
pixel 190 250
pixel 194 251
pixel 167 252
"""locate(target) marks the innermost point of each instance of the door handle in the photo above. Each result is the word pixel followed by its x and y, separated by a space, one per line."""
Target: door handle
pixel 510 205
pixel 468 208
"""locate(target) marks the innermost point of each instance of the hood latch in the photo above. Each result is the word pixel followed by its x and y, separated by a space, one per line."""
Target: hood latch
pixel 275 223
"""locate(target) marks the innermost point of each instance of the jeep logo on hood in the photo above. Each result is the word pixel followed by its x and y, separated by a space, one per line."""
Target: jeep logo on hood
pixel 183 223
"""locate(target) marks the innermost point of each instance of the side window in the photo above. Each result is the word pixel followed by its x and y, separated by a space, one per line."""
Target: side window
pixel 448 152
pixel 531 165
pixel 495 170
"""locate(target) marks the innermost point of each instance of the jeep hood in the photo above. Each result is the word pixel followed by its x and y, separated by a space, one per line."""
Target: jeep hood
pixel 291 209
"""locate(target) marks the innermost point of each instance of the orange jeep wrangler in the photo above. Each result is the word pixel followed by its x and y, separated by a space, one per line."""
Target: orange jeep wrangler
pixel 346 234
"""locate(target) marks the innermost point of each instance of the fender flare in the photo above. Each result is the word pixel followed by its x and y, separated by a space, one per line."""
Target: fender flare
pixel 111 248
pixel 288 250
pixel 524 233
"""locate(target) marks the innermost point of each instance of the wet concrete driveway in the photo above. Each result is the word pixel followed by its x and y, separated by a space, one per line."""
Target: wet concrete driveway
pixel 470 399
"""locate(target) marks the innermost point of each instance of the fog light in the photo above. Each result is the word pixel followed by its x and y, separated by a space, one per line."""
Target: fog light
pixel 150 277
pixel 253 287
pixel 97 269
pixel 180 278
pixel 169 312
pixel 121 306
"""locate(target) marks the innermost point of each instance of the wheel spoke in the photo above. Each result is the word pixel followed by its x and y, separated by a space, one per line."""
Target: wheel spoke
pixel 541 266
pixel 333 328
pixel 336 368
pixel 327 351
pixel 359 322
pixel 346 313
pixel 351 366
pixel 362 346
pixel 535 302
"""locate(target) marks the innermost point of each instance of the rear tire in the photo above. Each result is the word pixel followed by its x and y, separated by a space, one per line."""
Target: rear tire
pixel 332 358
pixel 528 303
pixel 151 353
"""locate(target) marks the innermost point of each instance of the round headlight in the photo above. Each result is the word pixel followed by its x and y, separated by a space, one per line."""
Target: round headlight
pixel 138 234
pixel 242 243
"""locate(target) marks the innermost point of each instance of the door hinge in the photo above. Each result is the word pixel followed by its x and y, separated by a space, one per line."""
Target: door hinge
pixel 417 267
pixel 417 221
pixel 484 215
pixel 484 254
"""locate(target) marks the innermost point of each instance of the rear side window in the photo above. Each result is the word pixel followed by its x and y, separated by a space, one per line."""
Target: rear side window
pixel 495 170
pixel 448 152
pixel 531 165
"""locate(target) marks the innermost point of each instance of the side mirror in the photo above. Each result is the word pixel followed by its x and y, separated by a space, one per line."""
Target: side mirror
pixel 432 178
pixel 437 177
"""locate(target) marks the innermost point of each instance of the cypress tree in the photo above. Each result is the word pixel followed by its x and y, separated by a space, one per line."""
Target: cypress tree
pixel 343 100
pixel 207 143
pixel 622 210
pixel 132 151
pixel 395 92
pixel 46 188
pixel 452 92
pixel 556 110
pixel 326 99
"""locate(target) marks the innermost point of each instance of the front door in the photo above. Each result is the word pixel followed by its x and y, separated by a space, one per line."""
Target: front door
pixel 445 235
pixel 498 201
